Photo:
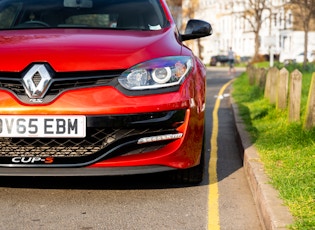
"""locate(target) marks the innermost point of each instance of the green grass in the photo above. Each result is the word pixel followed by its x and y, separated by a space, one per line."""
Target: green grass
pixel 262 64
pixel 286 149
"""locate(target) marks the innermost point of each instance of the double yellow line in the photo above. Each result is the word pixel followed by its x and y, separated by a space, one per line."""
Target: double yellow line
pixel 213 196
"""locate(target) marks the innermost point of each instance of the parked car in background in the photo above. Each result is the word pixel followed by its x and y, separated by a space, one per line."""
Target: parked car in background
pixel 99 87
pixel 286 57
pixel 219 60
pixel 246 59
pixel 296 57
pixel 310 57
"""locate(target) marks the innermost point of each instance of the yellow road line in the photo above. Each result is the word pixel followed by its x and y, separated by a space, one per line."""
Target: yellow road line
pixel 213 196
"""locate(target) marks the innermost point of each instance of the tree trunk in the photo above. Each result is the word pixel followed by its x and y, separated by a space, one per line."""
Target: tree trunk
pixel 257 45
pixel 306 29
pixel 200 49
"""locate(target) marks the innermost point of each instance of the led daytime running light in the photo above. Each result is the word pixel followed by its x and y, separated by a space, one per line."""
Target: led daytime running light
pixel 159 138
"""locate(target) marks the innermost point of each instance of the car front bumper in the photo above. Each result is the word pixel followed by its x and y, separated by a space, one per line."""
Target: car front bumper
pixel 115 123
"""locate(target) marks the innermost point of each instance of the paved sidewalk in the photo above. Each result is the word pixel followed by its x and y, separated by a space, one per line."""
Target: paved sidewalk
pixel 273 214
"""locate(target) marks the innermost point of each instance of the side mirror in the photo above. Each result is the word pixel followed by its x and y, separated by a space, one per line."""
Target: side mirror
pixel 196 29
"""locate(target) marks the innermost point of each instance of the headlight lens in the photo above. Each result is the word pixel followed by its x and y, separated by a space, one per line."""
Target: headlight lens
pixel 157 73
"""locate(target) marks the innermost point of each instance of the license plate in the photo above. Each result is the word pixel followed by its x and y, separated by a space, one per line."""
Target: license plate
pixel 42 126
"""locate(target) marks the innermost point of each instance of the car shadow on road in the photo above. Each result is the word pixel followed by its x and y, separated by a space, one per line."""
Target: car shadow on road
pixel 148 181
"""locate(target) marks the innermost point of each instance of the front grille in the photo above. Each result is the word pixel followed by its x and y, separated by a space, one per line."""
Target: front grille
pixel 61 82
pixel 60 85
pixel 96 141
pixel 14 86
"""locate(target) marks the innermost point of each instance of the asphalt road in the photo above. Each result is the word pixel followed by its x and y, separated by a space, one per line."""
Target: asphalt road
pixel 139 202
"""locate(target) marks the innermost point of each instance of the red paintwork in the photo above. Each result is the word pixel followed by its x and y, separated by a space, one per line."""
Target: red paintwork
pixel 101 100
pixel 83 50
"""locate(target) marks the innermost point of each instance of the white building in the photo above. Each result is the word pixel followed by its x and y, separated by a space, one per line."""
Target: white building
pixel 230 29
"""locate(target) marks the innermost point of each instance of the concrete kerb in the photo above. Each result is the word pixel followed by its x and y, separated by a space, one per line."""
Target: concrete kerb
pixel 271 210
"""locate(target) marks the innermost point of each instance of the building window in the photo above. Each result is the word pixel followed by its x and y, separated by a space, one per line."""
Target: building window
pixel 289 19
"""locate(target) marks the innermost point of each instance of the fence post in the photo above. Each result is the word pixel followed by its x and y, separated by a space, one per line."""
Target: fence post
pixel 261 77
pixel 251 74
pixel 271 85
pixel 295 96
pixel 310 106
pixel 282 92
pixel 267 86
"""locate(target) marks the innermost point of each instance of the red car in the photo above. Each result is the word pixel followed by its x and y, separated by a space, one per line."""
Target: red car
pixel 99 87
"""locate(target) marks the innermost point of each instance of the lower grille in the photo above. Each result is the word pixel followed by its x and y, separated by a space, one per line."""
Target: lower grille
pixel 97 140
pixel 106 137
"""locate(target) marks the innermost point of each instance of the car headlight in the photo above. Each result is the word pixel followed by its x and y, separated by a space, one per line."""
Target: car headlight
pixel 157 73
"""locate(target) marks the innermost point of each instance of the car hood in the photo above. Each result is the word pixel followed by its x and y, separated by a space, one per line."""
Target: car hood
pixel 84 49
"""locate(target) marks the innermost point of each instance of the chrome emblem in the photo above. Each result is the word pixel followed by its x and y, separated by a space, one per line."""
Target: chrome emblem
pixel 36 81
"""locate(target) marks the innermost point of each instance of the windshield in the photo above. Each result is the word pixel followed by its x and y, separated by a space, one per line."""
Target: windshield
pixel 109 14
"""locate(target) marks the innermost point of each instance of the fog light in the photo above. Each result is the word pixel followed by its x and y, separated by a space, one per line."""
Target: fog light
pixel 164 137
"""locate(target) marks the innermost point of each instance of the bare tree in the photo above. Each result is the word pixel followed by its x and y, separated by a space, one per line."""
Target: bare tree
pixel 189 9
pixel 253 14
pixel 176 9
pixel 182 11
pixel 174 2
pixel 304 12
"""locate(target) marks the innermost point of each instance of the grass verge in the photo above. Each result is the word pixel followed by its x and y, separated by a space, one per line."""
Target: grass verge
pixel 286 149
